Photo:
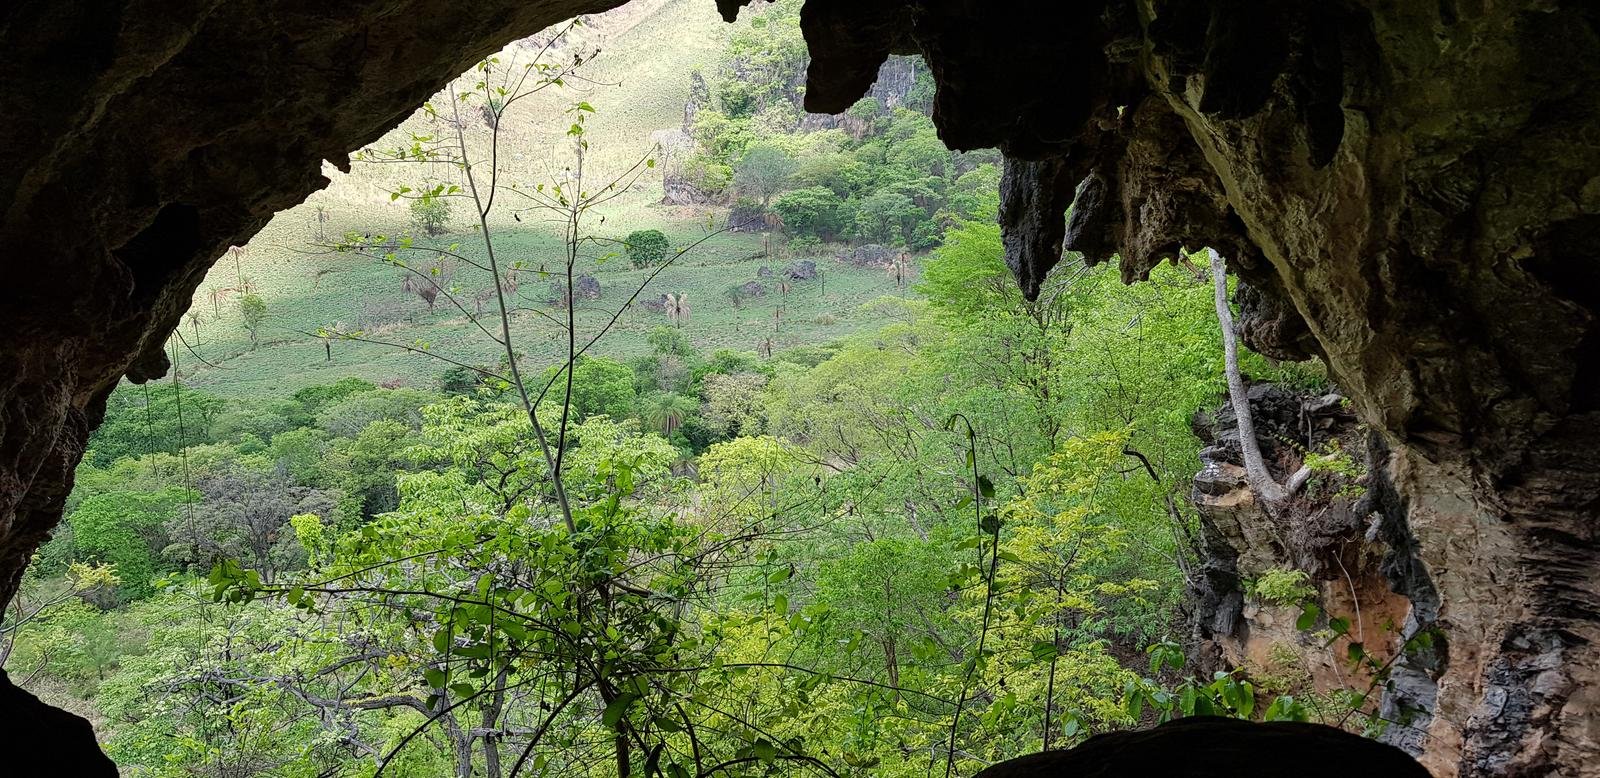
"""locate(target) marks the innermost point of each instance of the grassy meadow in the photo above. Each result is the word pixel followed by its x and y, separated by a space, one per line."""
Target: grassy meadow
pixel 637 84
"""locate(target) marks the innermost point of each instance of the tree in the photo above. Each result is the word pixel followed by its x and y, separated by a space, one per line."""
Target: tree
pixel 364 469
pixel 922 153
pixel 812 212
pixel 1255 468
pixel 430 215
pixel 646 248
pixel 668 342
pixel 888 216
pixel 125 529
pixel 143 420
pixel 734 403
pixel 764 171
pixel 892 590
pixel 666 411
pixel 351 414
pixel 457 379
pixel 245 515
pixel 254 311
pixel 600 387
pixel 312 400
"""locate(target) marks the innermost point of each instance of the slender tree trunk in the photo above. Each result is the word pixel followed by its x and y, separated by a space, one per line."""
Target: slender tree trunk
pixel 491 720
pixel 460 741
pixel 1255 467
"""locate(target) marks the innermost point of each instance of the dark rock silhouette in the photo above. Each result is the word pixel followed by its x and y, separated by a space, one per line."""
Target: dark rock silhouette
pixel 46 741
pixel 1210 747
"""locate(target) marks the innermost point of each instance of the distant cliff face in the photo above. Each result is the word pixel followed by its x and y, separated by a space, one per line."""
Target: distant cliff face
pixel 896 78
pixel 1412 190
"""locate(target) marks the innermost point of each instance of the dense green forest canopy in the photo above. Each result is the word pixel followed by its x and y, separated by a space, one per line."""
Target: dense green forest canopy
pixel 951 532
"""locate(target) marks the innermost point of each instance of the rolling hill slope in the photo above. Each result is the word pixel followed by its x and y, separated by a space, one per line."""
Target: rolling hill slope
pixel 638 84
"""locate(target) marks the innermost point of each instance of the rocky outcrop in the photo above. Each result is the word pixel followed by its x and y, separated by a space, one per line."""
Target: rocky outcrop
pixel 890 90
pixel 801 270
pixel 585 288
pixel 1345 535
pixel 676 146
pixel 867 255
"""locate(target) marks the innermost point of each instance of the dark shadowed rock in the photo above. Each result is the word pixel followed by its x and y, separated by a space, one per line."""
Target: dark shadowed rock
pixel 42 740
pixel 868 255
pixel 800 270
pixel 1209 747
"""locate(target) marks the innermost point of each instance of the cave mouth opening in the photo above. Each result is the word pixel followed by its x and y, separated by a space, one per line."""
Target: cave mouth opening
pixel 1410 213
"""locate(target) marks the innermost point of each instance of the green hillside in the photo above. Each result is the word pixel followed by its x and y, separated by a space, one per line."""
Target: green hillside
pixel 638 84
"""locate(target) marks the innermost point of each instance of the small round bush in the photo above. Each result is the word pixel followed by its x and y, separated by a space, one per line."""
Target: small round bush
pixel 647 247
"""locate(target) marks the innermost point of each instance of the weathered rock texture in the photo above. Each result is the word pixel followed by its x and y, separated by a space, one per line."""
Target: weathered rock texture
pixel 1411 189
pixel 890 89
pixel 1347 531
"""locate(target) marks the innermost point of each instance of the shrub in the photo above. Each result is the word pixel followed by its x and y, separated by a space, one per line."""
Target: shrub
pixel 430 215
pixel 805 244
pixel 1281 586
pixel 459 380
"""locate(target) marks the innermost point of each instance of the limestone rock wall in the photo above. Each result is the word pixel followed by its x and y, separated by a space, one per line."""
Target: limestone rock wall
pixel 1348 533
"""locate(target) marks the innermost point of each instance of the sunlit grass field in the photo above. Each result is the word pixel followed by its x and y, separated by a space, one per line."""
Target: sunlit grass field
pixel 638 85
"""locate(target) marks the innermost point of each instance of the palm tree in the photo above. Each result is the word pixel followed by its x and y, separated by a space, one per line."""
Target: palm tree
pixel 677 308
pixel 238 252
pixel 194 321
pixel 666 410
pixel 900 269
